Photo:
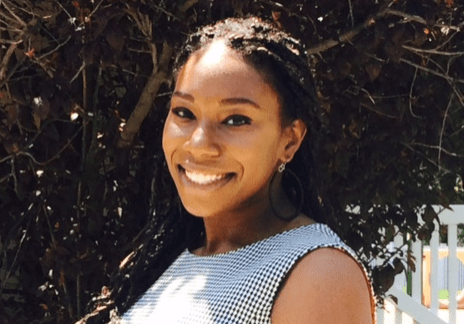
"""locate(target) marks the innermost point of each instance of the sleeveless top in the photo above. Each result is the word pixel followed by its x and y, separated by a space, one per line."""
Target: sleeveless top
pixel 237 287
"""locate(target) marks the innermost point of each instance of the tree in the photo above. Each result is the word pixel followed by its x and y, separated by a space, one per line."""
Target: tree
pixel 83 90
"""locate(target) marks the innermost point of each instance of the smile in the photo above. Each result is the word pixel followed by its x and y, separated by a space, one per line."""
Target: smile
pixel 203 179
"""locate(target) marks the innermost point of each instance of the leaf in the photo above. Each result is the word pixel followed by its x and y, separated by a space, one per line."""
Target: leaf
pixel 38 42
pixel 399 266
pixel 11 146
pixel 37 120
pixel 410 259
pixel 394 51
pixel 423 233
pixel 114 37
pixel 373 69
pixel 386 277
pixel 429 214
pixel 12 114
pixel 4 97
pixel 40 110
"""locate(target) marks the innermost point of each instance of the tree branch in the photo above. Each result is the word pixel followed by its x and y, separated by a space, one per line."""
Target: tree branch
pixel 78 72
pixel 420 67
pixel 410 94
pixel 345 37
pixel 436 147
pixel 147 98
pixel 350 5
pixel 426 157
pixel 96 8
pixel 165 12
pixel 404 15
pixel 5 280
pixel 157 78
pixel 6 58
pixel 443 130
pixel 379 112
pixel 444 75
pixel 290 12
pixel 21 22
pixel 187 5
pixel 55 49
pixel 431 51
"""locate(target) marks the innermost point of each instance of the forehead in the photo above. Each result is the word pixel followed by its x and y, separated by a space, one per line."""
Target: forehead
pixel 218 71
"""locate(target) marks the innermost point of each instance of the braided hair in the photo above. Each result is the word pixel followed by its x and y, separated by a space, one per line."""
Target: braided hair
pixel 282 62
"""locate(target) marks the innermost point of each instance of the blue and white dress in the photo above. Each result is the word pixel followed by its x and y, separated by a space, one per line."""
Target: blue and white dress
pixel 237 287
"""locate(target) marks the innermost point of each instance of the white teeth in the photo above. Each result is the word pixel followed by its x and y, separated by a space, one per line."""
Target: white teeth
pixel 201 178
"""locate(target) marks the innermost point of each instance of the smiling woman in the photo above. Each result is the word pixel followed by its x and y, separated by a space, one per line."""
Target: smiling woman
pixel 224 125
pixel 237 142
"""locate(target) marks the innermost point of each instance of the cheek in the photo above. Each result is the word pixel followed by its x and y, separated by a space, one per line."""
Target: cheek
pixel 165 140
pixel 172 136
pixel 259 151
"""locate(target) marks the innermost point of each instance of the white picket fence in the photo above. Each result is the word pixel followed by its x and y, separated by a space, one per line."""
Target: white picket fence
pixel 412 305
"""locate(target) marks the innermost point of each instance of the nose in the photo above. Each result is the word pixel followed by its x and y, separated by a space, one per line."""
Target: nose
pixel 203 142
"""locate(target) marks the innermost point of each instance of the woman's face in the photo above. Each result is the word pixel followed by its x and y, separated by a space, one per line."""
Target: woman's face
pixel 223 137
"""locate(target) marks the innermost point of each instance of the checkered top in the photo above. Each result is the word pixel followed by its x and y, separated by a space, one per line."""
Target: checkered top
pixel 234 287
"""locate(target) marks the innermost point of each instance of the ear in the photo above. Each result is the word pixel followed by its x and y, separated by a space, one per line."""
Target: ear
pixel 294 135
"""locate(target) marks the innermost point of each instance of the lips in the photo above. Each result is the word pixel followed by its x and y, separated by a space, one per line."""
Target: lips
pixel 203 179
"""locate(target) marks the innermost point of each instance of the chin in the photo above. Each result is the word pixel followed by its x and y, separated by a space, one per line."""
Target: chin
pixel 204 213
pixel 199 210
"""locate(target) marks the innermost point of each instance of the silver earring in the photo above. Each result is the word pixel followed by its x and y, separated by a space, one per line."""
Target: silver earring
pixel 281 167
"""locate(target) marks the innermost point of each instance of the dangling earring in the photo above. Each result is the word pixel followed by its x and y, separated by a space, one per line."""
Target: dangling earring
pixel 281 169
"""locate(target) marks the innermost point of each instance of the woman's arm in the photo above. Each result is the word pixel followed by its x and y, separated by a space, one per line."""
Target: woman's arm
pixel 326 286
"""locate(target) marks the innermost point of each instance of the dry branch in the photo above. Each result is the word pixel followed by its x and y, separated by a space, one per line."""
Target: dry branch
pixel 21 22
pixel 147 98
pixel 349 35
pixel 426 157
pixel 444 76
pixel 157 78
pixel 55 49
pixel 431 51
pixel 166 12
pixel 406 16
pixel 187 5
pixel 6 59
pixel 346 37
pixel 443 130
pixel 437 147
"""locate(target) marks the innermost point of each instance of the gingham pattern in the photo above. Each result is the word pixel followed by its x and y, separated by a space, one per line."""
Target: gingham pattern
pixel 235 287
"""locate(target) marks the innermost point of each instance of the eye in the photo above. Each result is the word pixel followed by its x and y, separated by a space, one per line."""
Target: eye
pixel 183 113
pixel 237 120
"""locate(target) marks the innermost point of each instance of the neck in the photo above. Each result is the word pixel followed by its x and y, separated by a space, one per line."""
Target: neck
pixel 230 231
pixel 227 233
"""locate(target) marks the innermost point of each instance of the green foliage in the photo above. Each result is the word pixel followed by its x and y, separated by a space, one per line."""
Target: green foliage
pixel 76 187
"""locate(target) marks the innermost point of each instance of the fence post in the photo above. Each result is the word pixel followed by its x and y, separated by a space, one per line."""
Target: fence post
pixel 453 271
pixel 416 249
pixel 434 256
pixel 380 315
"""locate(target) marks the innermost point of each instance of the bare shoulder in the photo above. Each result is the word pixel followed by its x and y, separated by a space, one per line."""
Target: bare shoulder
pixel 325 286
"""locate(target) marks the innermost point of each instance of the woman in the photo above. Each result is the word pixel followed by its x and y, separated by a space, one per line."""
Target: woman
pixel 237 141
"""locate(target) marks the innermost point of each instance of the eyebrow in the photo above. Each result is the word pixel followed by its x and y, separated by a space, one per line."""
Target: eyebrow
pixel 235 101
pixel 185 96
pixel 225 102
